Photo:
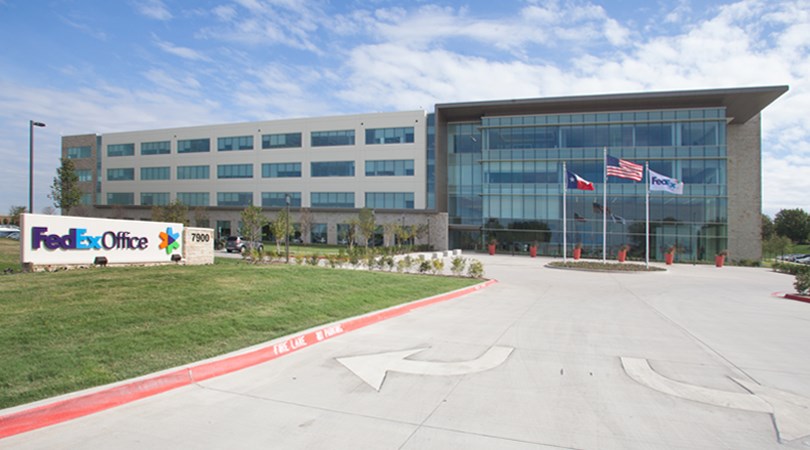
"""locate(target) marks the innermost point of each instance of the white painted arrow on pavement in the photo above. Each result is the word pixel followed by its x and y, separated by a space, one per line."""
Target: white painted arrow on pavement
pixel 372 368
pixel 791 413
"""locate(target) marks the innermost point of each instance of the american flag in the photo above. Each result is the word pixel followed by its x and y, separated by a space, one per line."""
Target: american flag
pixel 624 169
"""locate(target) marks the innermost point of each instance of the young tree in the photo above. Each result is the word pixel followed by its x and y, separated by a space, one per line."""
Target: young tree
pixel 175 211
pixel 305 224
pixel 14 214
pixel 367 224
pixel 351 233
pixel 252 223
pixel 793 224
pixel 65 191
pixel 767 229
pixel 279 228
pixel 390 231
pixel 775 245
pixel 201 217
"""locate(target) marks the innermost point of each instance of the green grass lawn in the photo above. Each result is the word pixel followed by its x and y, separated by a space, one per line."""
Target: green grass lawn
pixel 71 330
pixel 9 255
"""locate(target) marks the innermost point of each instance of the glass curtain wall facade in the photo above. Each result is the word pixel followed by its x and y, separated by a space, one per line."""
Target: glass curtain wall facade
pixel 505 177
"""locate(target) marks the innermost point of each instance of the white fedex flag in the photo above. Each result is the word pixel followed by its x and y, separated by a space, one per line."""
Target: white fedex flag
pixel 659 182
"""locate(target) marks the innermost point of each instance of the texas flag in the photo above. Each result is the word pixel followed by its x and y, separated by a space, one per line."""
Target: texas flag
pixel 577 182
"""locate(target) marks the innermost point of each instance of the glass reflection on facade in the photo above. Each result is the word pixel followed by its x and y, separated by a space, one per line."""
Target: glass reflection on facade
pixel 505 181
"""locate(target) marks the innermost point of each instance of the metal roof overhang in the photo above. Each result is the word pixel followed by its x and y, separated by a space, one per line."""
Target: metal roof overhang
pixel 741 103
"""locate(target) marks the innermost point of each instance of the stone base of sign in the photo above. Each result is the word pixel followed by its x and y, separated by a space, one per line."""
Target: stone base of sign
pixel 198 246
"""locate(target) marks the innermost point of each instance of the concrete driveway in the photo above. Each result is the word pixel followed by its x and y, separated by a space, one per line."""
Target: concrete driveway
pixel 695 357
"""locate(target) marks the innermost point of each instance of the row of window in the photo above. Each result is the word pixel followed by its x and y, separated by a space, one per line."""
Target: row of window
pixel 375 168
pixel 382 200
pixel 401 135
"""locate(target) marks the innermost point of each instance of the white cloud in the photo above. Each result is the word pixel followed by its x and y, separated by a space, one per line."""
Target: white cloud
pixel 183 52
pixel 103 109
pixel 85 28
pixel 154 9
pixel 271 22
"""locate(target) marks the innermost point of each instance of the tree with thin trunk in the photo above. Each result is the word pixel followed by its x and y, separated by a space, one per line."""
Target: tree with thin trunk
pixel 279 228
pixel 252 223
pixel 367 224
pixel 175 211
pixel 305 224
pixel 65 191
pixel 14 214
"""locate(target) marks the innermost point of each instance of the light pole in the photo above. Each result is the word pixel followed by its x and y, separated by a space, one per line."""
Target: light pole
pixel 287 228
pixel 31 125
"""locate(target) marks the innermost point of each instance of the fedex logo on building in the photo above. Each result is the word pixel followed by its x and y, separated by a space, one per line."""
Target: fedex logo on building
pixel 78 239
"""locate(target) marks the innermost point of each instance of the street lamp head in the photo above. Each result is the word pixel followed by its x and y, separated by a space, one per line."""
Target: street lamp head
pixel 37 124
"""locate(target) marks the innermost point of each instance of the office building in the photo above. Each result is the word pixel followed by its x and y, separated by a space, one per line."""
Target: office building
pixel 467 172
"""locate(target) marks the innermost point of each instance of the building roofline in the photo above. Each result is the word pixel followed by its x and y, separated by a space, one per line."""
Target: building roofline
pixel 741 104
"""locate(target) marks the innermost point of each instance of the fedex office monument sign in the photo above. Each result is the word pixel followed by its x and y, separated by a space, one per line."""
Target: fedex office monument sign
pixel 49 240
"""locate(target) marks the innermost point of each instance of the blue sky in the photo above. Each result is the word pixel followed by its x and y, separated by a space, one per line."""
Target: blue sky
pixel 102 66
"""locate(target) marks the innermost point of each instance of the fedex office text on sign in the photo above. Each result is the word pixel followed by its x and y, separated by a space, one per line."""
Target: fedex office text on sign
pixel 78 239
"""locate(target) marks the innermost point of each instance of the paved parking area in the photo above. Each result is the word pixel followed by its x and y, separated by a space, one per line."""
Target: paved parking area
pixel 696 357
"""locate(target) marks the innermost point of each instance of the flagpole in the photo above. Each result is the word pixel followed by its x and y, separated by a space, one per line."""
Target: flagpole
pixel 604 205
pixel 647 212
pixel 565 213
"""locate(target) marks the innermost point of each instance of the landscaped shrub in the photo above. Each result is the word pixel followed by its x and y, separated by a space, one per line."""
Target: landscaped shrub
pixel 437 266
pixel 457 265
pixel 424 265
pixel 791 268
pixel 802 283
pixel 314 259
pixel 404 264
pixel 475 269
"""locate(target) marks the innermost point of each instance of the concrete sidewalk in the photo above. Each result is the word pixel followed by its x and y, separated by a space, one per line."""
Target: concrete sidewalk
pixel 696 357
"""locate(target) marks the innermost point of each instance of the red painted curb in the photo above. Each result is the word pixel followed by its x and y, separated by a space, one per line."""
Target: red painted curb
pixel 72 408
pixel 797 297
pixel 800 298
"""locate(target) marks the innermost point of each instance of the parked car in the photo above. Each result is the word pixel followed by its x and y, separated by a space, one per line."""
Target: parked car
pixel 6 230
pixel 13 235
pixel 240 244
pixel 803 260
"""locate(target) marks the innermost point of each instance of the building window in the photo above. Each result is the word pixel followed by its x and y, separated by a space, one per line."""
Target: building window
pixel 285 140
pixel 84 174
pixel 193 198
pixel 235 171
pixel 120 174
pixel 389 168
pixel 156 173
pixel 389 135
pixel 154 198
pixel 281 170
pixel 223 228
pixel 389 200
pixel 279 199
pixel 318 233
pixel 332 199
pixel 156 148
pixel 194 145
pixel 226 144
pixel 332 138
pixel 79 152
pixel 87 199
pixel 120 150
pixel 193 172
pixel 120 198
pixel 332 169
pixel 234 199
